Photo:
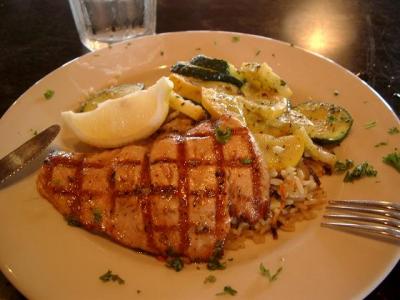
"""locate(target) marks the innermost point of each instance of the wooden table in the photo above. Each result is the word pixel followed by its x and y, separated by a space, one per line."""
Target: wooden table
pixel 37 36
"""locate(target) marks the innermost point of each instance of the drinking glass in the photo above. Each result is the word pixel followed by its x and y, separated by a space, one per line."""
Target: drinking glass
pixel 103 22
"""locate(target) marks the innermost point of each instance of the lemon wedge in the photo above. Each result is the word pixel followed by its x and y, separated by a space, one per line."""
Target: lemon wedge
pixel 123 120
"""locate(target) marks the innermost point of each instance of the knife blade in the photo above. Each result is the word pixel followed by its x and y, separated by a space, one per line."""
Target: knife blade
pixel 27 152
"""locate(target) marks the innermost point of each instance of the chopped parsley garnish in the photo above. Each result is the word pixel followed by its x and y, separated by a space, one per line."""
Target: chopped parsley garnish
pixel 97 215
pixel 175 263
pixel 246 161
pixel 362 170
pixel 266 273
pixel 73 221
pixel 370 125
pixel 330 119
pixel 228 290
pixel 258 52
pixel 235 39
pixel 393 130
pixel 109 276
pixel 214 261
pixel 48 94
pixel 393 159
pixel 342 166
pixel 380 144
pixel 210 279
pixel 223 136
pixel 283 82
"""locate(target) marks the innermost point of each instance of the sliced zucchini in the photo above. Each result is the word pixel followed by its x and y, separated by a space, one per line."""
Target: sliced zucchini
pixel 218 104
pixel 331 122
pixel 316 152
pixel 262 82
pixel 267 109
pixel 186 88
pixel 215 64
pixel 187 107
pixel 190 88
pixel 206 74
pixel 109 93
pixel 283 125
pixel 280 153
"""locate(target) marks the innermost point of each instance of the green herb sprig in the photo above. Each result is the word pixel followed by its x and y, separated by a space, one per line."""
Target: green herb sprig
pixel 109 276
pixel 228 290
pixel 370 125
pixel 246 161
pixel 362 170
pixel 49 94
pixel 343 166
pixel 393 130
pixel 214 262
pixel 266 273
pixel 393 159
pixel 222 136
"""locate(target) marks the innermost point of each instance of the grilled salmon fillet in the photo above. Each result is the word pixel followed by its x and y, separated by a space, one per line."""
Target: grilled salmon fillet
pixel 178 192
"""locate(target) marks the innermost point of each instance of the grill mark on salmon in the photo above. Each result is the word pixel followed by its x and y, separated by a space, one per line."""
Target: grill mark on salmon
pixel 179 191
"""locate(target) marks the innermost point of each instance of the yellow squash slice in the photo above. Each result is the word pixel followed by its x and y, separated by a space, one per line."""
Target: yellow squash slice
pixel 280 153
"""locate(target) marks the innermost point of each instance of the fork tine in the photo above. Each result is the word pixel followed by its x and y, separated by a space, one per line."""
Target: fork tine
pixel 368 210
pixel 364 218
pixel 373 203
pixel 382 230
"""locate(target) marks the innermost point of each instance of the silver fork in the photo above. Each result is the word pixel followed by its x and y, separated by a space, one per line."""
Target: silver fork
pixel 369 216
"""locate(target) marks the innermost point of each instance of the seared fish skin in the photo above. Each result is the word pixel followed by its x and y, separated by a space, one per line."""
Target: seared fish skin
pixel 179 192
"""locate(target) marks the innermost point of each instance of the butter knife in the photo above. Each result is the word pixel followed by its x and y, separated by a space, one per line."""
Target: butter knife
pixel 27 152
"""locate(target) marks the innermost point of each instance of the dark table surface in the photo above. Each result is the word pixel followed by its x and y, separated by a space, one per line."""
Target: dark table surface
pixel 37 36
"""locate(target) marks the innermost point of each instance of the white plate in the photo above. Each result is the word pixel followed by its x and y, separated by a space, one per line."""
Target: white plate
pixel 46 259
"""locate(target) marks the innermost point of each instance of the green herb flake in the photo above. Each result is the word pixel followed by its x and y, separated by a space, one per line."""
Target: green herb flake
pixel 258 52
pixel 266 273
pixel 222 136
pixel 214 262
pixel 228 290
pixel 210 279
pixel 393 130
pixel 393 159
pixel 235 39
pixel 175 263
pixel 370 125
pixel 97 216
pixel 48 94
pixel 283 82
pixel 198 49
pixel 73 221
pixel 380 144
pixel 109 276
pixel 331 119
pixel 342 166
pixel 362 170
pixel 246 161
